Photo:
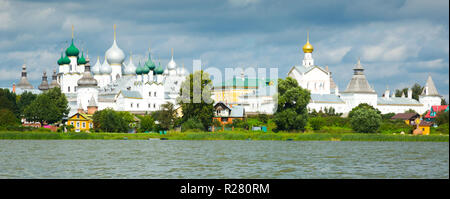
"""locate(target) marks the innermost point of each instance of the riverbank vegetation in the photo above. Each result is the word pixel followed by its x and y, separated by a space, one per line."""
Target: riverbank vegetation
pixel 225 135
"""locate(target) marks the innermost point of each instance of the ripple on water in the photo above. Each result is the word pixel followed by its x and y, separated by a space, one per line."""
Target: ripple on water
pixel 221 159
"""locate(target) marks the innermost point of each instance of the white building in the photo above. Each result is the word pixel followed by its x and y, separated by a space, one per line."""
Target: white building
pixel 325 93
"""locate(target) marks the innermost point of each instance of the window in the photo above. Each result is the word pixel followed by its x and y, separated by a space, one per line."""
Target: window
pixel 423 129
pixel 71 123
pixel 68 89
pixel 78 124
pixel 75 89
pixel 224 119
pixel 148 105
pixel 149 94
pixel 131 105
pixel 84 125
pixel 154 94
pixel 154 105
pixel 90 125
pixel 137 105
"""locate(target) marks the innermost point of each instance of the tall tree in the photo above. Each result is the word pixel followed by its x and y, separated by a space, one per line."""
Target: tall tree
pixel 416 91
pixel 8 101
pixel 195 98
pixel 25 99
pixel 398 93
pixel 60 100
pixel 7 118
pixel 41 110
pixel 292 113
pixel 166 116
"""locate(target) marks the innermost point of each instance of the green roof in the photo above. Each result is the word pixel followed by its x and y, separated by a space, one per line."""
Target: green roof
pixel 149 63
pixel 60 59
pixel 81 60
pixel 159 70
pixel 65 60
pixel 246 82
pixel 72 50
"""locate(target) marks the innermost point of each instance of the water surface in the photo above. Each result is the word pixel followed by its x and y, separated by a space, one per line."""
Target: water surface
pixel 221 159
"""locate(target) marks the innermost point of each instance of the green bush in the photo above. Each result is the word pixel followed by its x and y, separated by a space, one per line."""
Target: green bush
pixel 394 126
pixel 317 123
pixel 443 129
pixel 365 120
pixel 192 124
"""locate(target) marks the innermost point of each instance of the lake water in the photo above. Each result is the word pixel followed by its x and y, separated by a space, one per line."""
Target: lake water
pixel 221 159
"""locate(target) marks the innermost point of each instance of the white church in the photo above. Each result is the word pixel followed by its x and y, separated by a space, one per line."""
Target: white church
pixel 123 86
pixel 325 93
pixel 115 83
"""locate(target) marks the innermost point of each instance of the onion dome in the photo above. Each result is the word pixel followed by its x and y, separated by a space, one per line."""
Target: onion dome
pixel 81 60
pixel 149 63
pixel 159 70
pixel 145 69
pixel 171 65
pixel 129 69
pixel 60 59
pixel 105 68
pixel 65 60
pixel 72 50
pixel 24 84
pixel 44 85
pixel 87 80
pixel 97 66
pixel 308 48
pixel 54 82
pixel 139 69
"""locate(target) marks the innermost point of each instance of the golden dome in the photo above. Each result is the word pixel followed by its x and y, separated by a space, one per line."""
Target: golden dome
pixel 308 48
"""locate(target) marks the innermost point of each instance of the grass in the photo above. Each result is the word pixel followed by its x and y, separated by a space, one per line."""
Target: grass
pixel 227 135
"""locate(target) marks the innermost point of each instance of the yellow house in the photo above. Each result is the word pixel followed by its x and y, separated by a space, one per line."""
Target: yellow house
pixel 425 127
pixel 81 122
pixel 229 91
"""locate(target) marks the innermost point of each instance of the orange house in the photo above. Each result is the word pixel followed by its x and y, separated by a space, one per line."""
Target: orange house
pixel 226 114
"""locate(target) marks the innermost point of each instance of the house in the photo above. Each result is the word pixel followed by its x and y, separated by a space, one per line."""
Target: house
pixel 409 118
pixel 425 127
pixel 226 114
pixel 430 116
pixel 81 122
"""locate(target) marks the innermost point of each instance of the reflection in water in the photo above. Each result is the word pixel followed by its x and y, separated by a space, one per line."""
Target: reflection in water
pixel 221 159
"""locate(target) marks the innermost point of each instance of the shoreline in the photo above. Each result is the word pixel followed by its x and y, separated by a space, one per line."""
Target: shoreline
pixel 227 135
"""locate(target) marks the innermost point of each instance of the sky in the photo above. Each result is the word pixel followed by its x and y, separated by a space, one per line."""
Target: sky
pixel 399 42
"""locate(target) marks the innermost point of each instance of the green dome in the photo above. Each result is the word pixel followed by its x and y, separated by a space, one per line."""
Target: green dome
pixel 81 60
pixel 60 59
pixel 139 69
pixel 159 70
pixel 149 64
pixel 145 69
pixel 72 50
pixel 65 60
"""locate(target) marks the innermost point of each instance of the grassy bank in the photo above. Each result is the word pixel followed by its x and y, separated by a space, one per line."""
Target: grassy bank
pixel 232 135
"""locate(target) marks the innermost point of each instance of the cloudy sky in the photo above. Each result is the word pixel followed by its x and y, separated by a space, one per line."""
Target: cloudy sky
pixel 399 42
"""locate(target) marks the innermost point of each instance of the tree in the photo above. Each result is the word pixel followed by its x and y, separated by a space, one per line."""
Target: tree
pixel 365 120
pixel 195 98
pixel 166 116
pixel 60 101
pixel 7 118
pixel 192 124
pixel 443 102
pixel 442 117
pixel 317 122
pixel 398 93
pixel 41 110
pixel 108 120
pixel 416 91
pixel 8 101
pixel 147 123
pixel 25 99
pixel 292 113
pixel 362 106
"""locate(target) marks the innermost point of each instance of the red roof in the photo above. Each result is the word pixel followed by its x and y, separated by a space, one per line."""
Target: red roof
pixel 435 109
pixel 405 116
